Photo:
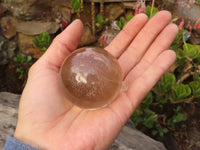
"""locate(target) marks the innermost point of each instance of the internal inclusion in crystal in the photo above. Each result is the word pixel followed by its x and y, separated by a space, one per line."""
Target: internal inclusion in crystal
pixel 92 77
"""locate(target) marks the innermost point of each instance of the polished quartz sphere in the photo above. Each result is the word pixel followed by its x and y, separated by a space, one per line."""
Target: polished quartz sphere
pixel 92 77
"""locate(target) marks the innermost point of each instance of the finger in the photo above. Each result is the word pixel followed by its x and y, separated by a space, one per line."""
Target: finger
pixel 162 42
pixel 127 102
pixel 63 44
pixel 143 40
pixel 124 38
pixel 140 87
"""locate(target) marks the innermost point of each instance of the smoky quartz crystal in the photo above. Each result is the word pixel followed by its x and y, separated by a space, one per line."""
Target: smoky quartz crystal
pixel 92 77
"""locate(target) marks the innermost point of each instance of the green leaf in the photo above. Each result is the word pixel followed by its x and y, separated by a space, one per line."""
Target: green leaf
pixel 182 91
pixel 177 109
pixel 159 131
pixel 161 100
pixel 129 17
pixel 191 51
pixel 42 41
pixel 150 121
pixel 166 83
pixel 148 99
pixel 97 24
pixel 106 20
pixel 179 118
pixel 177 41
pixel 148 11
pixel 16 59
pixel 150 118
pixel 29 58
pixel 100 20
pixel 20 58
pixel 76 5
pixel 20 70
pixel 136 117
pixel 121 23
pixel 196 77
pixel 180 54
pixel 165 130
pixel 175 19
pixel 195 86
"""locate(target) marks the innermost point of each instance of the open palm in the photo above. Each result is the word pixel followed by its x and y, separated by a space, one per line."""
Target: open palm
pixel 47 120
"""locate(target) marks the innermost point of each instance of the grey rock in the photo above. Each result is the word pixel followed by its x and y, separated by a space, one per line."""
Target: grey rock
pixel 8 27
pixel 2 9
pixel 22 9
pixel 7 49
pixel 27 47
pixel 113 11
pixel 62 13
pixel 60 3
pixel 128 139
pixel 8 115
pixel 190 12
pixel 37 27
pixel 194 135
pixel 88 37
pixel 3 53
pixel 12 45
pixel 31 9
pixel 113 0
pixel 65 14
pixel 195 37
pixel 132 139
pixel 187 10
pixel 130 5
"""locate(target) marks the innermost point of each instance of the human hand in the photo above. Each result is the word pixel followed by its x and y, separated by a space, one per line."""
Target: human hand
pixel 47 120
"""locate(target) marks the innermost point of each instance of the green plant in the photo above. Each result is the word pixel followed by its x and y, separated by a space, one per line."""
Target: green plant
pixel 76 5
pixel 195 86
pixel 42 41
pixel 144 118
pixel 162 110
pixel 88 12
pixel 177 117
pixel 23 62
pixel 177 41
pixel 159 131
pixel 151 11
pixel 123 21
pixel 147 120
pixel 100 20
pixel 22 59
pixel 166 100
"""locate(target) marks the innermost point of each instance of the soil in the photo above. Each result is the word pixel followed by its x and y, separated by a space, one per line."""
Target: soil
pixel 189 132
pixel 9 80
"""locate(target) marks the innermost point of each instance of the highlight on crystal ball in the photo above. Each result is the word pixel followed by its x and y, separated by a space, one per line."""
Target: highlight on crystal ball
pixel 92 77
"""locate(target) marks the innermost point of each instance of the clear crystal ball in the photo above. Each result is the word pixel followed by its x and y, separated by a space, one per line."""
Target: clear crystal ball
pixel 92 77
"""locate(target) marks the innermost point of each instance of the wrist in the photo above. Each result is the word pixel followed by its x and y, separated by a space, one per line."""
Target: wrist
pixel 27 139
